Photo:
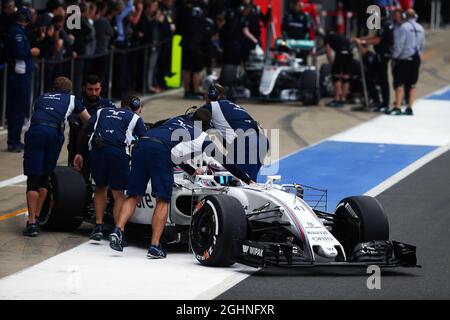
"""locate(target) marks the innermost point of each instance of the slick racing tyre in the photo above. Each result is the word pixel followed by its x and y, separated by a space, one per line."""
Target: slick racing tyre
pixel 309 88
pixel 218 221
pixel 65 204
pixel 359 219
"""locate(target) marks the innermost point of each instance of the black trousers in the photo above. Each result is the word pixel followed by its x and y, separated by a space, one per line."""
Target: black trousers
pixel 383 80
pixel 74 132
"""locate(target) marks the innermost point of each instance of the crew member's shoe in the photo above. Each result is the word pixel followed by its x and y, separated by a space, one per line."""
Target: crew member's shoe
pixel 197 95
pixel 408 111
pixel 30 230
pixel 17 148
pixel 395 112
pixel 115 239
pixel 382 109
pixel 97 233
pixel 156 252
pixel 335 104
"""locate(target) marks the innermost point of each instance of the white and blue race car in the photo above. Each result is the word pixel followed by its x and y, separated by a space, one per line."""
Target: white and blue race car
pixel 225 221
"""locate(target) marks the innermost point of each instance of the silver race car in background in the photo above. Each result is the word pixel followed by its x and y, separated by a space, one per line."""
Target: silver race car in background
pixel 281 74
pixel 224 221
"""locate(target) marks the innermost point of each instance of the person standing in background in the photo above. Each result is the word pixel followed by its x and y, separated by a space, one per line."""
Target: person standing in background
pixel 341 66
pixel 409 43
pixel 83 37
pixel 6 21
pixel 103 34
pixel 383 41
pixel 194 43
pixel 19 55
pixel 167 29
pixel 122 41
pixel 256 18
pixel 148 30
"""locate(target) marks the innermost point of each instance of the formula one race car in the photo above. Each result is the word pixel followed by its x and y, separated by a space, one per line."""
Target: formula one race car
pixel 287 77
pixel 225 221
pixel 282 76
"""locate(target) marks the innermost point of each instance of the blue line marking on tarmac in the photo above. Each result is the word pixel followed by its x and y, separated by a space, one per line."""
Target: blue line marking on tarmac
pixel 445 95
pixel 347 168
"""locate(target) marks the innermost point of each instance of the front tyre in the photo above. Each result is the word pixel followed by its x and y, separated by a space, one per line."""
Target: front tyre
pixel 215 225
pixel 359 219
pixel 309 88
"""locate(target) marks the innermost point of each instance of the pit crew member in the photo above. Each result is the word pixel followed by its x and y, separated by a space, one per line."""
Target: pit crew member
pixel 383 41
pixel 43 142
pixel 92 101
pixel 109 156
pixel 297 23
pixel 234 123
pixel 341 66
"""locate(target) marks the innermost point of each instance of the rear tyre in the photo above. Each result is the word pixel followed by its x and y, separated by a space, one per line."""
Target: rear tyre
pixel 359 219
pixel 309 88
pixel 215 225
pixel 229 75
pixel 65 204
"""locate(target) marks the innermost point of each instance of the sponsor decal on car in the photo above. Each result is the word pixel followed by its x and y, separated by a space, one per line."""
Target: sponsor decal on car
pixel 259 252
pixel 322 239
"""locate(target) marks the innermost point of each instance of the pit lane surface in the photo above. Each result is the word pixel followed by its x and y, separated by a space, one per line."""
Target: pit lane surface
pixel 72 273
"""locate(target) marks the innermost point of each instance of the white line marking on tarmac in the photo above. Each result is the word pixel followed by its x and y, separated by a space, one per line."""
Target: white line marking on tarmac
pixel 437 92
pixel 11 181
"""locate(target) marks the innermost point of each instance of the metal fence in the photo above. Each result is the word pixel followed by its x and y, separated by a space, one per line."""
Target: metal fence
pixel 122 71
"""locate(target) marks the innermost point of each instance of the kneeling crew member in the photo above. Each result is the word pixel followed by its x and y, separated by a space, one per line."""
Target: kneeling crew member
pixel 43 142
pixel 109 156
pixel 154 158
pixel 235 124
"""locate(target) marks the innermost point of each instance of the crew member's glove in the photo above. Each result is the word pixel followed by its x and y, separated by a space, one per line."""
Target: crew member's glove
pixel 78 162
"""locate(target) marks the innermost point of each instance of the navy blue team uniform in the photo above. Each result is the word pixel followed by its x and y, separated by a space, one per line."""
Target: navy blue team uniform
pixel 227 117
pixel 153 158
pixel 75 127
pixel 20 72
pixel 109 145
pixel 45 137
